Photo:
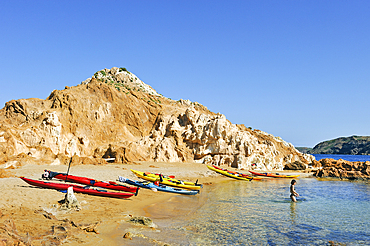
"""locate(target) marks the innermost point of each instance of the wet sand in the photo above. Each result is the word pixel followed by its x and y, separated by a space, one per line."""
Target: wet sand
pixel 31 215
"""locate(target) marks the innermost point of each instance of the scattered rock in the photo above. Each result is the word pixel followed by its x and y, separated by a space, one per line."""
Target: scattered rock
pixel 70 201
pixel 141 220
pixel 295 166
pixel 10 234
pixel 89 227
pixel 128 235
pixel 5 174
pixel 47 215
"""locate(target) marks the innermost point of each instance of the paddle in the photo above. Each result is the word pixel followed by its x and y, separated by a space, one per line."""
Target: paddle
pixel 170 176
pixel 69 165
pixel 137 191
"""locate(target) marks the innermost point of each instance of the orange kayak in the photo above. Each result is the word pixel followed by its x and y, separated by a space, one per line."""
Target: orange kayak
pixel 274 175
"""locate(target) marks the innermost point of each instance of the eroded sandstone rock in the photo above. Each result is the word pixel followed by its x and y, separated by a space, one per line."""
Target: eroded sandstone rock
pixel 342 169
pixel 116 115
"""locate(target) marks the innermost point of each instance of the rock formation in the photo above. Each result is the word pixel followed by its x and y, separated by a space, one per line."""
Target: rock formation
pixel 295 166
pixel 115 115
pixel 342 169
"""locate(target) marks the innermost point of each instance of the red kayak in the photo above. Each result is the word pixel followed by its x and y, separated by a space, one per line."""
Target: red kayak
pixel 76 188
pixel 88 181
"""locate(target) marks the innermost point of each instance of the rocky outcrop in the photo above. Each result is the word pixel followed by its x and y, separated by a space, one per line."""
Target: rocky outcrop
pixel 354 145
pixel 295 166
pixel 116 115
pixel 342 169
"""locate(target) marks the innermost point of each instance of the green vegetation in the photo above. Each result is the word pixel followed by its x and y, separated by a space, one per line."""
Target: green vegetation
pixel 97 73
pixel 353 145
pixel 303 150
pixel 122 69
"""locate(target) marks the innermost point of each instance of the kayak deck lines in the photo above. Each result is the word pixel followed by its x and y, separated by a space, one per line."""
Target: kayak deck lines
pixel 167 181
pixel 157 186
pixel 76 188
pixel 88 181
pixel 230 175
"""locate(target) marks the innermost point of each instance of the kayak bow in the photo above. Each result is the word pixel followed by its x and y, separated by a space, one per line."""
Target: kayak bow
pixel 159 187
pixel 76 188
pixel 230 175
pixel 166 181
pixel 88 181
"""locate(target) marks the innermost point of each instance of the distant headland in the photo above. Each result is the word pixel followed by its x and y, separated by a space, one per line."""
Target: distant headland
pixel 353 145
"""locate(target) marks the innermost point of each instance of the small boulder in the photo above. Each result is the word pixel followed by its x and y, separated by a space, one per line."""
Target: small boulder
pixel 295 166
pixel 70 201
pixel 128 235
pixel 141 220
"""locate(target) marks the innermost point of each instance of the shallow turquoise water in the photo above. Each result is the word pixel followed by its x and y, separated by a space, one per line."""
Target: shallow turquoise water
pixel 261 213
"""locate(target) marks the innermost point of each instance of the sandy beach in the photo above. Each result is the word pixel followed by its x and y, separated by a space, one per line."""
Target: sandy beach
pixel 31 215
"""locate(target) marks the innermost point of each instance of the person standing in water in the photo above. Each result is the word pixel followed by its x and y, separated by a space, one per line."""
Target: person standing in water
pixel 293 193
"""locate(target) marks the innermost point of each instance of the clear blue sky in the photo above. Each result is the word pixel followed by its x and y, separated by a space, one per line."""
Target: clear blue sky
pixel 296 69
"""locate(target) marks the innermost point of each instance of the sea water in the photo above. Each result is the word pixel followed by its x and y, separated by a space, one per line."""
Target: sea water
pixel 237 212
pixel 261 213
pixel 344 157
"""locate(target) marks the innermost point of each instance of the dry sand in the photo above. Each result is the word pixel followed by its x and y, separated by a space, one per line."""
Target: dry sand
pixel 31 215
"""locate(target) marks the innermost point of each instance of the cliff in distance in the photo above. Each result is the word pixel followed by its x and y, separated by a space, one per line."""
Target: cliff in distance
pixel 116 115
pixel 354 145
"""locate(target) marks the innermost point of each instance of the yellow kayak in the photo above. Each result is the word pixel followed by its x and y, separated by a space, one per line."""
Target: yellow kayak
pixel 167 181
pixel 169 178
pixel 238 174
pixel 231 175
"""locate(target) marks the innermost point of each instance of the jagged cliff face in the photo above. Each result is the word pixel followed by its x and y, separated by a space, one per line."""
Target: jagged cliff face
pixel 115 115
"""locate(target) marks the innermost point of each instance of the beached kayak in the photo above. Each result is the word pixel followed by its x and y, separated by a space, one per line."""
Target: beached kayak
pixel 170 178
pixel 159 187
pixel 88 181
pixel 178 184
pixel 230 175
pixel 274 175
pixel 76 188
pixel 238 174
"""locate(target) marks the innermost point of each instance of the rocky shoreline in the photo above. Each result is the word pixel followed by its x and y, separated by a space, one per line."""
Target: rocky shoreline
pixel 341 169
pixel 30 216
